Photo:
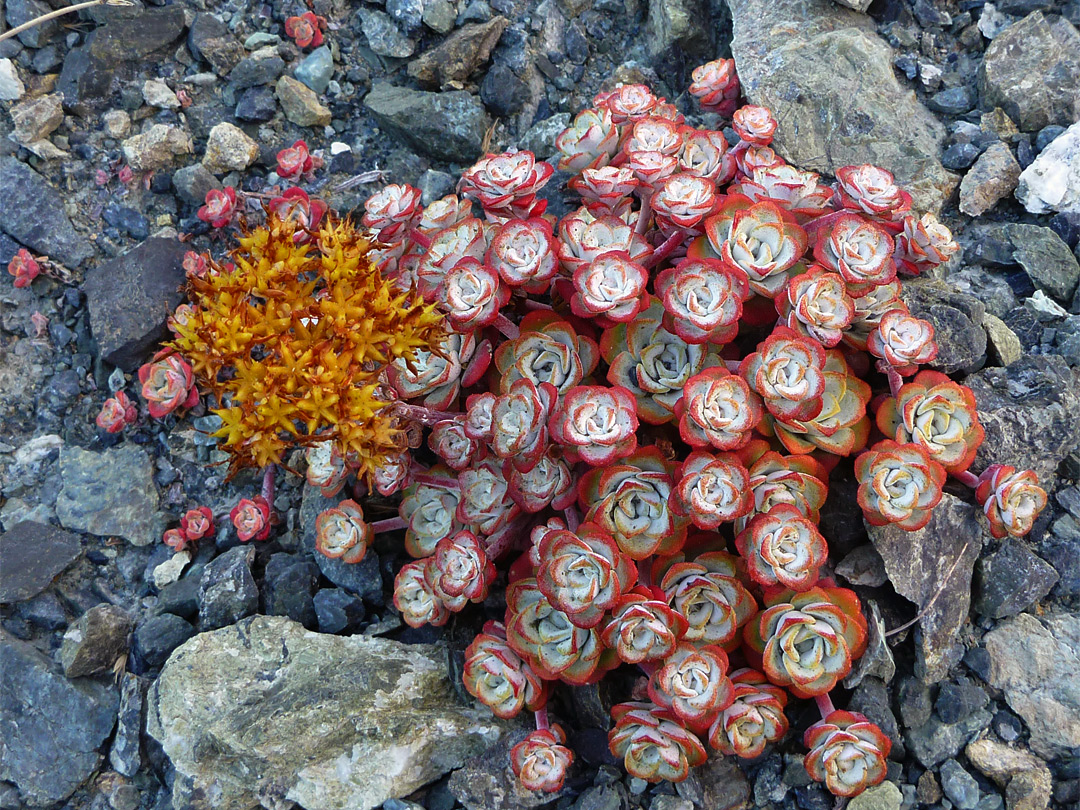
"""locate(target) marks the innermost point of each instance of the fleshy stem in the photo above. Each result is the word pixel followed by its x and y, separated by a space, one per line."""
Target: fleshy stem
pixel 573 518
pixel 432 480
pixel 425 416
pixel 666 248
pixel 421 238
pixel 541 719
pixel 507 327
pixel 268 484
pixel 824 705
pixel 26 26
pixel 732 366
pixel 896 382
pixel 968 478
pixel 389 525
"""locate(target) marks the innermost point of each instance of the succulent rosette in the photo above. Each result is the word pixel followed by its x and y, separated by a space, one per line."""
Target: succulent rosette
pixel 582 241
pixel 479 416
pixel 705 154
pixel 682 203
pixel 792 189
pixel 898 483
pixel 548 483
pixel 197 523
pixel 653 134
pixel 606 190
pixel 305 29
pixel 524 253
pixel 652 363
pixel 717 410
pixel 713 490
pixel 762 243
pixel 544 636
pixel 783 547
pixel 540 761
pixel 461 571
pixel 175 539
pixel 817 304
pixel 808 641
pixel 708 595
pixel 453 445
pixel 788 372
pixel 251 517
pixel 117 412
pixel 219 207
pixel 693 683
pixel 754 718
pixel 505 185
pixel 870 308
pixel 750 158
pixel 858 249
pixel 847 752
pixel 595 424
pixel 389 476
pixel 415 599
pixel 519 423
pixel 471 294
pixel 167 383
pixel 643 627
pixel 497 677
pixel 486 503
pixel 342 534
pixel 903 341
pixel 716 86
pixel 436 378
pixel 392 211
pixel 590 141
pixel 430 510
pixel 702 300
pixel 465 239
pixel 25 268
pixel 610 288
pixel 1011 499
pixel 632 501
pixel 755 125
pixel 871 191
pixel 652 743
pixel 923 244
pixel 797 480
pixel 295 161
pixel 295 204
pixel 325 468
pixel 651 168
pixel 628 102
pixel 583 573
pixel 547 350
pixel 938 414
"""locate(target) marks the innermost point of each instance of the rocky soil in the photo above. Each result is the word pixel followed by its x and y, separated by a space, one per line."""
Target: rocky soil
pixel 269 675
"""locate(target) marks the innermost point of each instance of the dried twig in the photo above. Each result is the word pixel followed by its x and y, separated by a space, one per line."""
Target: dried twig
pixel 26 26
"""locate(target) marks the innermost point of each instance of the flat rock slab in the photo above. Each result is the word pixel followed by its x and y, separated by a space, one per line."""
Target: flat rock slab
pixel 34 215
pixel 50 728
pixel 1035 664
pixel 266 711
pixel 829 80
pixel 940 556
pixel 130 298
pixel 445 126
pixel 110 493
pixel 32 555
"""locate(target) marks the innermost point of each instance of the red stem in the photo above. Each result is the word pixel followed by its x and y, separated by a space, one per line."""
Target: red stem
pixel 531 304
pixel 895 380
pixel 268 484
pixel 507 327
pixel 421 238
pixel 733 366
pixel 425 416
pixel 389 525
pixel 968 478
pixel 824 705
pixel 573 518
pixel 644 214
pixel 665 250
pixel 432 480
pixel 541 719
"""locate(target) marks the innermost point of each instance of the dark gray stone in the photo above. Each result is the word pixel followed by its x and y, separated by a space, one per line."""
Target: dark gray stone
pixel 383 36
pixel 459 56
pixel 1047 135
pixel 362 578
pixel 51 728
pixel 22 11
pixel 125 755
pixel 130 298
pixel 959 785
pixel 871 698
pixel 959 699
pixel 256 104
pixel 935 563
pixel 257 69
pixel 1047 260
pixel 445 126
pixel 32 555
pixel 959 156
pixel 913 700
pixel 954 101
pixel 182 597
pixel 1011 579
pixel 1031 71
pixel 316 69
pixel 156 638
pixel 1030 412
pixel 503 91
pixel 211 40
pixel 957 319
pixel 34 215
pixel 934 742
pixel 288 586
pixel 194 181
pixel 338 610
pixel 227 592
pixel 96 641
pixel 127 219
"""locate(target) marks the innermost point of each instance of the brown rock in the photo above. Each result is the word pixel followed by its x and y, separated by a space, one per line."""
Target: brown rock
pixel 95 642
pixel 993 178
pixel 458 57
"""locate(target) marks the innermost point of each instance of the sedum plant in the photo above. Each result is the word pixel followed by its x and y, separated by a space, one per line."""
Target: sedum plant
pixel 633 411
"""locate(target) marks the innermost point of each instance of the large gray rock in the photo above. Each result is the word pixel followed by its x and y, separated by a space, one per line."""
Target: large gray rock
pixel 210 39
pixel 1032 72
pixel 34 215
pixel 992 179
pixel 459 55
pixel 265 711
pixel 110 493
pixel 1011 579
pixel 1052 182
pixel 957 318
pixel 32 555
pixel 1031 414
pixel 445 126
pixel 131 296
pixel 829 80
pixel 679 33
pixel 50 728
pixel 932 568
pixel 1046 259
pixel 1035 664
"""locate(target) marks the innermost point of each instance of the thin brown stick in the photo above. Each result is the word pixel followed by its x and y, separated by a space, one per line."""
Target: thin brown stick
pixel 52 15
pixel 941 589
